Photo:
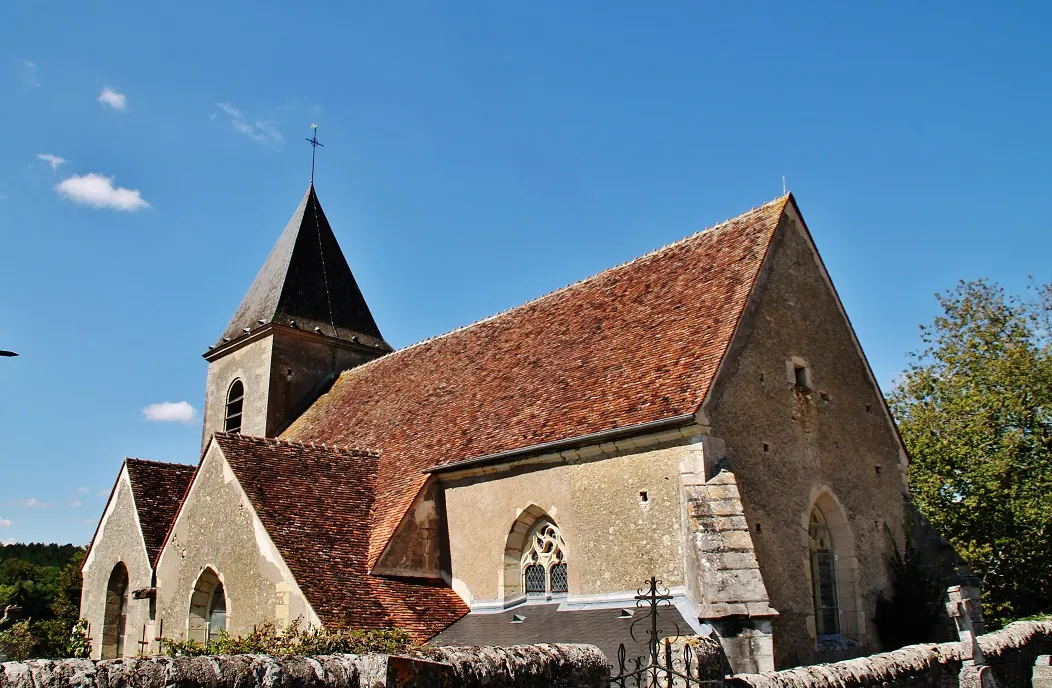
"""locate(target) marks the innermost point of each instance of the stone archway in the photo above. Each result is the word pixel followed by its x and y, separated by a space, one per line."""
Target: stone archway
pixel 115 619
pixel 208 607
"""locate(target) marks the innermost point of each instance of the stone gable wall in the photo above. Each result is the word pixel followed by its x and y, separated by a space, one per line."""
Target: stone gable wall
pixel 1010 652
pixel 218 529
pixel 790 448
pixel 119 540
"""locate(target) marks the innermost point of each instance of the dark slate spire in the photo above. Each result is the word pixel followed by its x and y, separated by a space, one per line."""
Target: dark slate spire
pixel 306 281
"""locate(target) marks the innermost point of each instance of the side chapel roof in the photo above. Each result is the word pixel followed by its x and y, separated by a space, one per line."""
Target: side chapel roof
pixel 315 502
pixel 306 280
pixel 638 343
pixel 158 490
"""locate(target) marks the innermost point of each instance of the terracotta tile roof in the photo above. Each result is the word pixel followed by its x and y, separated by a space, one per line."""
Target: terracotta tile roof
pixel 316 503
pixel 638 343
pixel 158 489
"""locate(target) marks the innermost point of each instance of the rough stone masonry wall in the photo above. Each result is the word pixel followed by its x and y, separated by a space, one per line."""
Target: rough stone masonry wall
pixel 1011 653
pixel 526 666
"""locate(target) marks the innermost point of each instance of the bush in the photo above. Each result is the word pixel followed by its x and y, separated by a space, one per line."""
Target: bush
pixel 294 640
pixel 914 612
pixel 17 642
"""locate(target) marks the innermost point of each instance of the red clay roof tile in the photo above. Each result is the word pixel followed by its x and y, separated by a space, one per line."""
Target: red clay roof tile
pixel 637 343
pixel 158 489
pixel 316 503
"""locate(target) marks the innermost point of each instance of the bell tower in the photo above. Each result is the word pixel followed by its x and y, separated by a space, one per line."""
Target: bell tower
pixel 302 322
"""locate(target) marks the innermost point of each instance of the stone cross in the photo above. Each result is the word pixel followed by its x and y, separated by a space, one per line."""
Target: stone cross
pixel 961 607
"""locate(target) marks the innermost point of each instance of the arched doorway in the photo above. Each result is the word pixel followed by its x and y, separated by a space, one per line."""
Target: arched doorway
pixel 207 608
pixel 115 619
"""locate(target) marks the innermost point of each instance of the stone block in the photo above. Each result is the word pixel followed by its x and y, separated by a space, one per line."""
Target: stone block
pixel 745 585
pixel 722 492
pixel 724 523
pixel 737 540
pixel 726 507
pixel 736 560
pixel 723 478
pixel 1042 675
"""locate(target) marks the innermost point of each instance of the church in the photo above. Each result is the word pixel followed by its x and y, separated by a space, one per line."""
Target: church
pixel 703 414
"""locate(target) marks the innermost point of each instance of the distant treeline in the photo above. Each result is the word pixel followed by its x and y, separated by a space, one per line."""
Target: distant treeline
pixel 39 600
pixel 39 554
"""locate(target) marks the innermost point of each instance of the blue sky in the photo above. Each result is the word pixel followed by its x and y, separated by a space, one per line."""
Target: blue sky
pixel 477 155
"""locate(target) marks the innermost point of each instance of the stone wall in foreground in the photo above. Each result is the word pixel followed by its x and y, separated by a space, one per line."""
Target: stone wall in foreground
pixel 524 666
pixel 1010 652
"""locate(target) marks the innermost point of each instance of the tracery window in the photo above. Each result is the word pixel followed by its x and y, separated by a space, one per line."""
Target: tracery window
pixel 235 404
pixel 823 574
pixel 544 561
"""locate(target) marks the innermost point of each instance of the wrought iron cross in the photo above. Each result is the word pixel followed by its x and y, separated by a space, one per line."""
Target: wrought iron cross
pixel 314 147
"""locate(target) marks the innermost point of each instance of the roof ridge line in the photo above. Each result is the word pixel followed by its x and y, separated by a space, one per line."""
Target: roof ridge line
pixel 573 285
pixel 339 449
pixel 159 463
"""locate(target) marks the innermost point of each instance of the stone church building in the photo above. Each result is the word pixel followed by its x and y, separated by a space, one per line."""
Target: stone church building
pixel 703 414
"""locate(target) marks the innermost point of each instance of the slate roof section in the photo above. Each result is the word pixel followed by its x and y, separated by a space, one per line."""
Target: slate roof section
pixel 316 502
pixel 638 343
pixel 306 280
pixel 158 489
pixel 545 623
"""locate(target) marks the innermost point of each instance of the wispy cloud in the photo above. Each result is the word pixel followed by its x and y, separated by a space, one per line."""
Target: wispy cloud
pixel 99 192
pixel 170 412
pixel 52 160
pixel 75 503
pixel 28 70
pixel 83 490
pixel 260 130
pixel 105 492
pixel 5 522
pixel 34 503
pixel 113 99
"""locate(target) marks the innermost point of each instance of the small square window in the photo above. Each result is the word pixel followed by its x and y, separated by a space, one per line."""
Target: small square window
pixel 803 376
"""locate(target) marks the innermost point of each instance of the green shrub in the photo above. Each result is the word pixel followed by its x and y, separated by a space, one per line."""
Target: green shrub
pixel 17 642
pixel 294 640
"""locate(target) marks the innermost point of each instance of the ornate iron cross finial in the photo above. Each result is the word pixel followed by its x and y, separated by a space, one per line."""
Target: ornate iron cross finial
pixel 314 147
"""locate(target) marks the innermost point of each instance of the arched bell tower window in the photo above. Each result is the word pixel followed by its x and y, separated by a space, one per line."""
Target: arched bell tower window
pixel 235 404
pixel 544 561
pixel 823 574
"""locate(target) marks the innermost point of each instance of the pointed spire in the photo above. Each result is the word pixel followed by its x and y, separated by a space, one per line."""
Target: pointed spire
pixel 306 283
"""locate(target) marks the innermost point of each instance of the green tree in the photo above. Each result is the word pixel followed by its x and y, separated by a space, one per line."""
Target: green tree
pixel 975 410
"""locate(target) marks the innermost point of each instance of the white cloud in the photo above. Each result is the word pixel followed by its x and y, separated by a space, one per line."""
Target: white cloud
pixel 98 191
pixel 5 522
pixel 33 503
pixel 52 160
pixel 262 131
pixel 170 411
pixel 29 73
pixel 75 503
pixel 115 100
pixel 83 490
pixel 103 493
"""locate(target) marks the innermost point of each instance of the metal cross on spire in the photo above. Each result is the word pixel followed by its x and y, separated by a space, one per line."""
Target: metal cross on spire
pixel 314 148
